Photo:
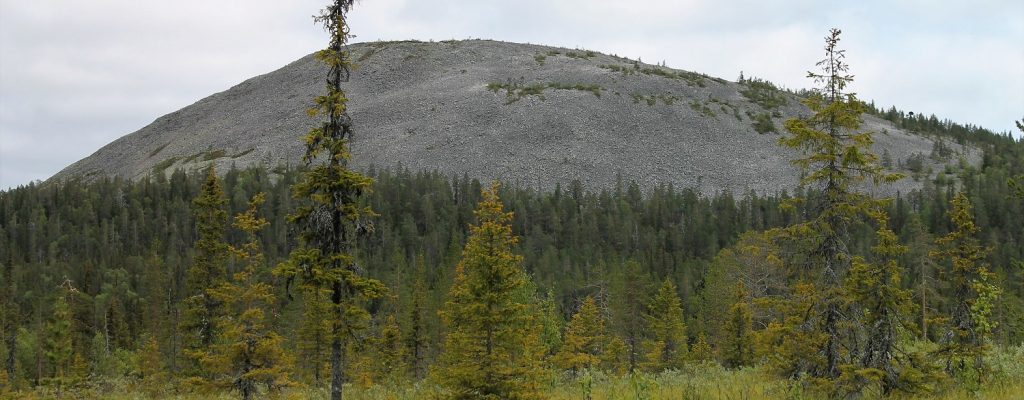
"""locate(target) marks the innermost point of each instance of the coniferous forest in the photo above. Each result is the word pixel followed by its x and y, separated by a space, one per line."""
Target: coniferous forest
pixel 324 282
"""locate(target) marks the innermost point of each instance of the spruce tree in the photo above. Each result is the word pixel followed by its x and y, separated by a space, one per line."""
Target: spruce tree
pixel 666 346
pixel 10 315
pixel 248 354
pixel 737 341
pixel 492 348
pixel 629 286
pixel 200 310
pixel 875 286
pixel 389 352
pixel 331 216
pixel 151 367
pixel 314 333
pixel 417 339
pixel 585 339
pixel 836 158
pixel 59 349
pixel 966 338
pixel 701 350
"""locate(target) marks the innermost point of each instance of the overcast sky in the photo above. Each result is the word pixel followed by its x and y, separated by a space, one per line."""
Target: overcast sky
pixel 75 75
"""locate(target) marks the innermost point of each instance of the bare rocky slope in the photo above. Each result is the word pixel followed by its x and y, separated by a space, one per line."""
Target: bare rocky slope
pixel 532 115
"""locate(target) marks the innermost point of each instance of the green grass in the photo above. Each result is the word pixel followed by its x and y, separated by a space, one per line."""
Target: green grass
pixel 706 381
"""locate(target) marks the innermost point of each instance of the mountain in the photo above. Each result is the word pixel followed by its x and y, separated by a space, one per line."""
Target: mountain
pixel 528 114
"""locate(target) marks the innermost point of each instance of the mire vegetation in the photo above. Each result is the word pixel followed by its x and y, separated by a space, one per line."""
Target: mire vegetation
pixel 328 283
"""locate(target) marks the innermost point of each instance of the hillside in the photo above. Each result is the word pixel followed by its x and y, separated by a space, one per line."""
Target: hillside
pixel 533 115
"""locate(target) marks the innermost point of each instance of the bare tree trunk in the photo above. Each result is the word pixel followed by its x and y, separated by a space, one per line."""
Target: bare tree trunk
pixel 337 359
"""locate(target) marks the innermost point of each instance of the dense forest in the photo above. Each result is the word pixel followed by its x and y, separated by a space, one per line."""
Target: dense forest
pixel 199 282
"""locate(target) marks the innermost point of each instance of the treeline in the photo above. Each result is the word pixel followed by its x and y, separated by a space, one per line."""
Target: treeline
pixel 125 248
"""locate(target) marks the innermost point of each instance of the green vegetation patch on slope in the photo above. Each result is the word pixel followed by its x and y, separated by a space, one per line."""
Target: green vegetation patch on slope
pixel 515 91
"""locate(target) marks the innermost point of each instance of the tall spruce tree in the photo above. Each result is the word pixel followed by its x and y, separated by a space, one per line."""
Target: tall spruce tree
pixel 331 216
pixel 208 270
pixel 666 346
pixel 836 158
pixel 492 349
pixel 966 339
pixel 737 340
pixel 248 354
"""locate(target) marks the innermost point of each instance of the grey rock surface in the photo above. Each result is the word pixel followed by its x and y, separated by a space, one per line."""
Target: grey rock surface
pixel 428 106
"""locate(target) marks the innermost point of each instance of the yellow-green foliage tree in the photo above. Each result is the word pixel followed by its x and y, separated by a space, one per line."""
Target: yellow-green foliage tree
pixel 59 348
pixel 585 339
pixel 200 310
pixel 616 356
pixel 875 286
pixel 151 367
pixel 966 339
pixel 389 352
pixel 248 355
pixel 701 350
pixel 786 340
pixel 836 158
pixel 737 341
pixel 314 333
pixel 666 347
pixel 492 349
pixel 331 216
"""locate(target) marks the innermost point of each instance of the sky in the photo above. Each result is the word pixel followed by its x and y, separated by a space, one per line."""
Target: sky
pixel 75 75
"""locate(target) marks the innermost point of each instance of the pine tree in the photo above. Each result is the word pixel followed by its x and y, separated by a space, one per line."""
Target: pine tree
pixel 248 354
pixel 332 216
pixel 585 339
pixel 492 347
pixel 737 341
pixel 200 310
pixel 836 159
pixel 666 347
pixel 966 339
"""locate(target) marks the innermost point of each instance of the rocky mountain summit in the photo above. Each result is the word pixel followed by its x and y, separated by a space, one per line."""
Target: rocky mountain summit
pixel 532 115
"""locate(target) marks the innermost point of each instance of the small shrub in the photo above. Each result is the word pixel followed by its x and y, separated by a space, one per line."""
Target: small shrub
pixel 763 93
pixel 703 109
pixel 763 123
